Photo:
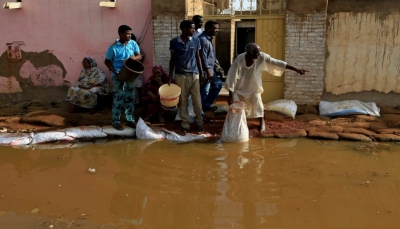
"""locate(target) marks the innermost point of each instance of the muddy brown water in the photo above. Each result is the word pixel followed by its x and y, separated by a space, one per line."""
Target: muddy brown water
pixel 264 183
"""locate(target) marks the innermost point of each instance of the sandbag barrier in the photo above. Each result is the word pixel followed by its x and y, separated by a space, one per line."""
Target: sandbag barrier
pixel 68 134
pixel 358 124
pixel 142 131
pixel 335 129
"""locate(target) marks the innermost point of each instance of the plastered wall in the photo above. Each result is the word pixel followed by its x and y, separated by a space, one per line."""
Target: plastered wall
pixel 43 43
pixel 363 51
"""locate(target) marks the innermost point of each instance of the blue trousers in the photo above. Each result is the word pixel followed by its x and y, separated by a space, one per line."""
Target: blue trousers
pixel 123 98
pixel 210 91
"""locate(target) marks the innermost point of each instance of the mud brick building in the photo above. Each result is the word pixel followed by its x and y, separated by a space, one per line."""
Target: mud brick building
pixel 350 47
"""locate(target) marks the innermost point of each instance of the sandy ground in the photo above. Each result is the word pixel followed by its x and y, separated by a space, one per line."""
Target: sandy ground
pixel 36 116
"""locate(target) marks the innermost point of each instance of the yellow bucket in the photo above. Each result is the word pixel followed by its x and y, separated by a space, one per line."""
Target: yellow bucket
pixel 169 96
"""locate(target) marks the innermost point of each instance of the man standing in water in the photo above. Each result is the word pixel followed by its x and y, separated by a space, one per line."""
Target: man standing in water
pixel 198 23
pixel 185 60
pixel 244 79
pixel 209 89
pixel 123 92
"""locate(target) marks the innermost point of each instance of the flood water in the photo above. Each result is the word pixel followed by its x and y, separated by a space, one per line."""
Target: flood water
pixel 264 183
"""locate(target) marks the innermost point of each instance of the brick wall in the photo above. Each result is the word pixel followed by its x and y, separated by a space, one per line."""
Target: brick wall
pixel 165 27
pixel 305 49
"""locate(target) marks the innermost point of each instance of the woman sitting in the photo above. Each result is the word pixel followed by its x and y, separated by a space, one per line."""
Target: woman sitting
pixel 92 81
pixel 151 98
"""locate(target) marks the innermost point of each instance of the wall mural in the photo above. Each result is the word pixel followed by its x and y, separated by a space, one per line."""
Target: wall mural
pixel 20 70
pixel 364 53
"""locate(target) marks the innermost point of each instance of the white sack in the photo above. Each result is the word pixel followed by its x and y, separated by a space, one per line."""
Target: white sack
pixel 51 136
pixel 192 115
pixel 235 126
pixel 145 132
pixel 282 106
pixel 15 139
pixel 126 132
pixel 172 136
pixel 348 107
pixel 85 132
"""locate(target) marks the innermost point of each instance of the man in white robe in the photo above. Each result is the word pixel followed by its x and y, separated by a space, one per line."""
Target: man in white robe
pixel 244 79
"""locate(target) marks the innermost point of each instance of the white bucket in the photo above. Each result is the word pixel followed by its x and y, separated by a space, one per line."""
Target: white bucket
pixel 169 96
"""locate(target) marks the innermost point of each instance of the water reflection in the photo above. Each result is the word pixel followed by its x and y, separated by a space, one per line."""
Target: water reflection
pixel 161 184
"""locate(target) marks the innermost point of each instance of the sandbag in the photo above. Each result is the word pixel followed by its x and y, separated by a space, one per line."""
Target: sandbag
pixel 388 131
pixel 50 136
pixel 172 136
pixel 386 137
pixel 145 132
pixel 85 132
pixel 322 135
pixel 348 107
pixel 15 139
pixel 51 119
pixel 192 115
pixel 282 106
pixel 354 137
pixel 235 127
pixel 126 132
pixel 358 131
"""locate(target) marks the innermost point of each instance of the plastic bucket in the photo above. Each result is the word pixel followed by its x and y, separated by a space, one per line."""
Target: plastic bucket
pixel 131 70
pixel 169 96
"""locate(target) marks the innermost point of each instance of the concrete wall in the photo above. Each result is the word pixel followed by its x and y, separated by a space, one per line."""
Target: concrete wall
pixel 43 43
pixel 305 49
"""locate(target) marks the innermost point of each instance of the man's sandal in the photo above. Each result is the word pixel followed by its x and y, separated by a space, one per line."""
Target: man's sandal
pixel 200 129
pixel 118 126
pixel 131 124
pixel 183 131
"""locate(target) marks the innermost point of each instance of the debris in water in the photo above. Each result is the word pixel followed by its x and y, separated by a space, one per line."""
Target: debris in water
pixel 369 148
pixel 35 211
pixel 63 156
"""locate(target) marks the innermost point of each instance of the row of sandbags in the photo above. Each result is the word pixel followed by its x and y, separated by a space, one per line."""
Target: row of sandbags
pixel 68 134
pixel 142 131
pixel 326 108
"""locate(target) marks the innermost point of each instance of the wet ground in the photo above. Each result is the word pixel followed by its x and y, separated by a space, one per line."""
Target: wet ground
pixel 263 183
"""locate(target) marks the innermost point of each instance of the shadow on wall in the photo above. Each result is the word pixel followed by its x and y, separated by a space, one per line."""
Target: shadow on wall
pixel 25 75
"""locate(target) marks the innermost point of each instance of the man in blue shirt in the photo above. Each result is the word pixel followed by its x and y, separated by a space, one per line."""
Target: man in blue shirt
pixel 211 88
pixel 185 60
pixel 123 97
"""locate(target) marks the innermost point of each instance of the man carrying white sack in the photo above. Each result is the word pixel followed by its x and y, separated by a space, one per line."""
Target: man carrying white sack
pixel 244 79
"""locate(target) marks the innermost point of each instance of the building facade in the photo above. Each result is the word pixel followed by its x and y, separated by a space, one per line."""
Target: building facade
pixel 350 47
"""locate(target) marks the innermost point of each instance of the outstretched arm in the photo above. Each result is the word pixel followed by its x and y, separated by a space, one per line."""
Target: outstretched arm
pixel 300 71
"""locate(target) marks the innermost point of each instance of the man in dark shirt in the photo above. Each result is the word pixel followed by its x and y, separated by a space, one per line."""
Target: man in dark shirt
pixel 210 89
pixel 185 60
